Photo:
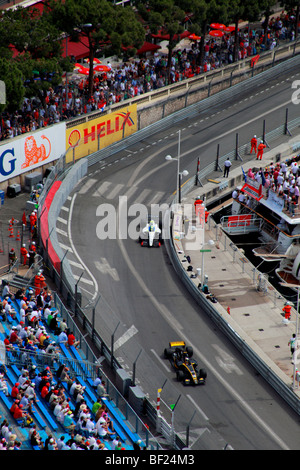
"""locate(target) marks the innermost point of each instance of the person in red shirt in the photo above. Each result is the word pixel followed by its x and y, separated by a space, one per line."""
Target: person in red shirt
pixel 14 338
pixel 45 390
pixel 15 390
pixel 72 341
pixel 260 150
pixel 24 253
pixel 20 414
pixel 253 144
pixel 7 343
pixel 14 406
pixel 287 309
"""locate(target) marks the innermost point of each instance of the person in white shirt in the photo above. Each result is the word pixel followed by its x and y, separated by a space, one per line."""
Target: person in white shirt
pixel 90 426
pixel 227 166
pixel 280 179
pixel 60 442
pixel 241 197
pixel 286 186
pixel 58 408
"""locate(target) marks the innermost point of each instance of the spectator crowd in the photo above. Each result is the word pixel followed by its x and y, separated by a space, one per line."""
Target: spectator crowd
pixel 283 178
pixel 139 76
pixel 43 376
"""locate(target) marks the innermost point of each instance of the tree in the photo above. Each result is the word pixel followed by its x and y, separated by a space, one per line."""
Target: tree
pixel 36 63
pixel 205 12
pixel 106 26
pixel 241 10
pixel 266 9
pixel 292 6
pixel 14 84
pixel 166 15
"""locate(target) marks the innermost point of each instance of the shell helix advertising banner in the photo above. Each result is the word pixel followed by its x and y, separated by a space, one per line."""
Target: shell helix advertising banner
pixel 25 153
pixel 91 136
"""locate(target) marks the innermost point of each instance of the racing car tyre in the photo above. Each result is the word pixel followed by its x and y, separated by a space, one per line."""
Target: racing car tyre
pixel 168 353
pixel 179 375
pixel 189 350
pixel 202 373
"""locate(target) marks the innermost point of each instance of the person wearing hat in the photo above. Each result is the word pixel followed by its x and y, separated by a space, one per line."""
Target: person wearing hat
pixel 15 390
pixel 24 254
pixel 12 256
pixel 253 144
pixel 45 390
pixel 30 391
pixel 32 254
pixel 75 387
pixel 13 337
pixel 19 414
pixel 260 150
pixel 68 421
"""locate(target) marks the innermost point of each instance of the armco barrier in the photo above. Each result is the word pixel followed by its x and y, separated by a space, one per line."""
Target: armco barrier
pixel 45 233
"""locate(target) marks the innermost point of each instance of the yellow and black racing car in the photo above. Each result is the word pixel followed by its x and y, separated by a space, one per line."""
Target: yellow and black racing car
pixel 181 359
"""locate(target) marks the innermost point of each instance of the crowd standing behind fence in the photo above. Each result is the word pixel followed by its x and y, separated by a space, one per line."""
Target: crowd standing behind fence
pixel 133 78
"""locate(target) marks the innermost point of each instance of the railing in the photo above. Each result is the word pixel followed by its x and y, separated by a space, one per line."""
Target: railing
pixel 240 224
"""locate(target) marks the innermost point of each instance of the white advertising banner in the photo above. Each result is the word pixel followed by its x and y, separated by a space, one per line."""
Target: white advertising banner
pixel 25 153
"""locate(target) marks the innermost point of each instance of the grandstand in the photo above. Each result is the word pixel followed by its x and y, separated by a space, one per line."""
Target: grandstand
pixel 31 363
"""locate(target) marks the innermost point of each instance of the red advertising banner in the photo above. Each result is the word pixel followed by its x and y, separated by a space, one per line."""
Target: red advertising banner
pixel 253 192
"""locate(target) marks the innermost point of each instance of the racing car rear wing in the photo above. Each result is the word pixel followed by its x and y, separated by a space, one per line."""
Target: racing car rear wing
pixel 174 344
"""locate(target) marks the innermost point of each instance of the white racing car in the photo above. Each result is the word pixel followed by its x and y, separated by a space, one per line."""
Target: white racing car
pixel 150 234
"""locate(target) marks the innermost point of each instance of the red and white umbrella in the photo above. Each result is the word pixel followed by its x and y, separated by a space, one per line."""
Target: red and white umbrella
pixel 82 69
pixel 217 26
pixel 102 68
pixel 216 33
pixel 230 29
pixel 194 37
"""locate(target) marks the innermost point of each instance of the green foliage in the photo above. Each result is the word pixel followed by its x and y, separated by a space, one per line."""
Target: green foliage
pixel 15 91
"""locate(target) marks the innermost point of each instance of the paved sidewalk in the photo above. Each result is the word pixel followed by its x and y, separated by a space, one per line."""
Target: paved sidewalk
pixel 256 316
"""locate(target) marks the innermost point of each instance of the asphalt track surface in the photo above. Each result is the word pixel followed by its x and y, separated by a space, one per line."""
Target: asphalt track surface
pixel 141 299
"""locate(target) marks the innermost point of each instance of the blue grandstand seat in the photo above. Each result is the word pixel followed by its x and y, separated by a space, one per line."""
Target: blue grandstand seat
pixel 120 419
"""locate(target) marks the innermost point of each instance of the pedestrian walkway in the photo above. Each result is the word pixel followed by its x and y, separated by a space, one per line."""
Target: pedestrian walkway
pixel 255 315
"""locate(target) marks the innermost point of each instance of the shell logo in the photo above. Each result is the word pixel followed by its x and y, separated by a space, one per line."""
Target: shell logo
pixel 74 138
